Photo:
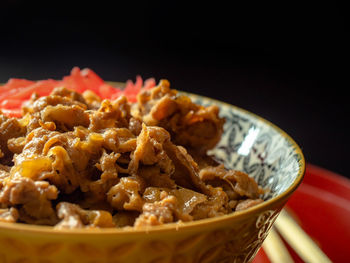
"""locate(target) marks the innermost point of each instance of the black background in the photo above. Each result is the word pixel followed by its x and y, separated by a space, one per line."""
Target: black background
pixel 283 60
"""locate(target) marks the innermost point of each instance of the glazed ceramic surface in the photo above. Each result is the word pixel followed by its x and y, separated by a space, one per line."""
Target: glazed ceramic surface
pixel 249 143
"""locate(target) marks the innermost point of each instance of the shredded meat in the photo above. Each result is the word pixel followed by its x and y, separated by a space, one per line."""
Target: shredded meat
pixel 9 215
pixel 33 196
pixel 127 194
pixel 236 181
pixel 111 114
pixel 216 205
pixel 9 128
pixel 53 100
pixel 16 145
pixel 189 124
pixel 186 201
pixel 75 217
pixel 58 114
pixel 66 93
pixel 245 204
pixel 158 212
pixel 92 100
pixel 77 161
pixel 4 172
pixel 149 150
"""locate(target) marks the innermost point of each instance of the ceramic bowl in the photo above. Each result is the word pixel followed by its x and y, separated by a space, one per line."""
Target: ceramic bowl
pixel 249 143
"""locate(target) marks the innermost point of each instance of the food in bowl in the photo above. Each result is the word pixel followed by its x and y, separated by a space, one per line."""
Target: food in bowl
pixel 248 143
pixel 74 160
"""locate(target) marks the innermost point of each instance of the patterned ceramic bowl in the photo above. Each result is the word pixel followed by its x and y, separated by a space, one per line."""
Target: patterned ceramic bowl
pixel 250 144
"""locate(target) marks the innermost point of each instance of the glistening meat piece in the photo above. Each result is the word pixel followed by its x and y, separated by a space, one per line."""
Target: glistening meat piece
pixel 186 170
pixel 73 216
pixel 237 181
pixel 189 124
pixel 150 150
pixel 9 128
pixel 65 117
pixel 34 198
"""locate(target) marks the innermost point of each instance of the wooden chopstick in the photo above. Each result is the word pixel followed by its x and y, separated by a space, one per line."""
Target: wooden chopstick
pixel 295 236
pixel 275 249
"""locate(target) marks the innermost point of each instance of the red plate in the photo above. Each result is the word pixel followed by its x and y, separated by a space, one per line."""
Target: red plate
pixel 321 204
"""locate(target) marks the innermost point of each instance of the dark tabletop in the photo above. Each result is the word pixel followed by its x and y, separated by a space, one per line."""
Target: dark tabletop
pixel 282 61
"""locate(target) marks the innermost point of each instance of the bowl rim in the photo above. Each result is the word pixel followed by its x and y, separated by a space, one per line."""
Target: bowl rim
pixel 177 226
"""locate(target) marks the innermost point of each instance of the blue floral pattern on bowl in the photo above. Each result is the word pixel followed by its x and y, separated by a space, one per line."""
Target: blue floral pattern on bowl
pixel 255 146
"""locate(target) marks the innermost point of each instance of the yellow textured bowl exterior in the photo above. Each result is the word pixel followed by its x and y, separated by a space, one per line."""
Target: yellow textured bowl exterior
pixel 227 239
